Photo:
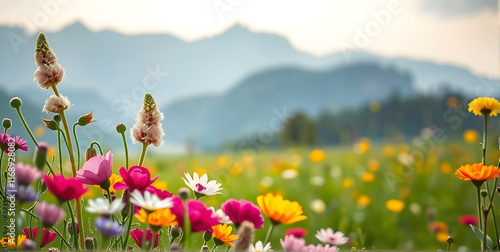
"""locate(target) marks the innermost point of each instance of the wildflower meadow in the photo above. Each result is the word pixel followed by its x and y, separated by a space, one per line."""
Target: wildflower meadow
pixel 437 192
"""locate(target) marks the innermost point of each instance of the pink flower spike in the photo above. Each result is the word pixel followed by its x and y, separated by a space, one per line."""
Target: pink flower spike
pixel 96 170
pixel 243 210
pixel 292 243
pixel 49 214
pixel 25 174
pixel 297 232
pixel 136 178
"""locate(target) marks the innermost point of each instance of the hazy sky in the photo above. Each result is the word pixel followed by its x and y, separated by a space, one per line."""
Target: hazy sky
pixel 460 32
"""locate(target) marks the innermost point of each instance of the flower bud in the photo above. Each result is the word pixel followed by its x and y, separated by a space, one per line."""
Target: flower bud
pixel 90 153
pixel 175 231
pixel 89 243
pixel 207 236
pixel 126 201
pixel 51 124
pixel 86 119
pixel 40 155
pixel 175 247
pixel 53 249
pixel 121 128
pixel 449 240
pixel 184 193
pixel 205 248
pixel 69 227
pixel 28 245
pixel 130 247
pixel 57 118
pixel 484 193
pixel 113 196
pixel 7 123
pixel 16 102
pixel 44 188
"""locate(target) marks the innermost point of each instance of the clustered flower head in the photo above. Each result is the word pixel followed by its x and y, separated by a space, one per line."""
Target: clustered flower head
pixel 56 104
pixel 147 128
pixel 49 71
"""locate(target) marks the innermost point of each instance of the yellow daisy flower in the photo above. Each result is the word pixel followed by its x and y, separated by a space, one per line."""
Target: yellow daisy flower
pixel 484 106
pixel 222 235
pixel 280 210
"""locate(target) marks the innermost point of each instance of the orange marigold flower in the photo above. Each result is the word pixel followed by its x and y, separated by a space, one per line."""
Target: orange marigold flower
pixel 158 219
pixel 484 106
pixel 222 235
pixel 477 172
pixel 280 210
pixel 394 205
pixel 317 156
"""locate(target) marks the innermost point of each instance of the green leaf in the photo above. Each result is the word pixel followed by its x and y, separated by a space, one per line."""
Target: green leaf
pixel 479 234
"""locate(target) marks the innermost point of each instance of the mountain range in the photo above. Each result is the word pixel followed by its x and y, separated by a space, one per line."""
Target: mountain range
pixel 215 89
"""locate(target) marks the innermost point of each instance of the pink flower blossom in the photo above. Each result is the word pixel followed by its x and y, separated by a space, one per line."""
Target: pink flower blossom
pixel 292 243
pixel 64 188
pixel 49 214
pixel 200 217
pixel 25 174
pixel 468 220
pixel 327 236
pixel 19 143
pixel 137 234
pixel 136 178
pixel 147 128
pixel 297 232
pixel 47 236
pixel 96 170
pixel 48 75
pixel 320 248
pixel 162 194
pixel 243 210
pixel 56 104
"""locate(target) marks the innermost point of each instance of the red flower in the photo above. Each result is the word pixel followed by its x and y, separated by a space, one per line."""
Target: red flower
pixel 136 178
pixel 160 193
pixel 137 235
pixel 64 188
pixel 468 219
pixel 200 217
pixel 47 236
pixel 297 232
pixel 243 210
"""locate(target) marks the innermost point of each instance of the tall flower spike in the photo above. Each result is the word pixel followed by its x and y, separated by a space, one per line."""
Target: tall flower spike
pixel 147 128
pixel 49 72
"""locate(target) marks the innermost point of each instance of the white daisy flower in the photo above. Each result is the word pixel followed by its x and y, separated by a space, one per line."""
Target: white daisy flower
pixel 103 207
pixel 327 236
pixel 223 219
pixel 201 186
pixel 259 247
pixel 149 202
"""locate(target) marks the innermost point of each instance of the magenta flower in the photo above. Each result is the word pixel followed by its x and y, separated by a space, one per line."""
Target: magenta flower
pixel 47 236
pixel 162 194
pixel 49 214
pixel 25 174
pixel 4 142
pixel 468 220
pixel 136 178
pixel 19 143
pixel 96 170
pixel 200 217
pixel 64 188
pixel 243 210
pixel 137 235
pixel 297 232
pixel 320 248
pixel 292 243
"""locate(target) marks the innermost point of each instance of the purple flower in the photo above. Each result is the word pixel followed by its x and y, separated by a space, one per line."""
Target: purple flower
pixel 96 170
pixel 320 248
pixel 25 174
pixel 49 214
pixel 25 193
pixel 292 243
pixel 243 210
pixel 108 227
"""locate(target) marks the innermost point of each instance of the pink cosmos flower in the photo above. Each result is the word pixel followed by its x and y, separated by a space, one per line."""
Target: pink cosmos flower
pixel 200 217
pixel 327 236
pixel 243 210
pixel 320 248
pixel 136 178
pixel 49 214
pixel 297 232
pixel 292 243
pixel 96 170
pixel 137 235
pixel 47 236
pixel 19 143
pixel 64 188
pixel 468 220
pixel 25 174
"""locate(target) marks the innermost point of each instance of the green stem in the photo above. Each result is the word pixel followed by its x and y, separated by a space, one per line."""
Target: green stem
pixel 479 212
pixel 144 234
pixel 126 149
pixel 485 214
pixel 143 153
pixel 53 228
pixel 1 158
pixel 269 232
pixel 39 234
pixel 129 226
pixel 98 146
pixel 77 147
pixel 73 226
pixel 21 117
pixel 485 138
pixel 60 151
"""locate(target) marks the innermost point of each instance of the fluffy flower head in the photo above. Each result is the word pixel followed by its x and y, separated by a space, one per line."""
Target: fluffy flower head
pixel 56 104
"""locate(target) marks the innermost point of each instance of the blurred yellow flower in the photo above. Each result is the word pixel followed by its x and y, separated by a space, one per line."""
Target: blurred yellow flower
pixel 89 194
pixel 388 151
pixel 317 156
pixel 452 102
pixel 368 177
pixel 484 106
pixel 394 205
pixel 373 165
pixel 404 193
pixel 40 131
pixel 112 181
pixel 222 233
pixel 51 152
pixel 160 184
pixel 236 169
pixel 318 206
pixel 7 241
pixel 362 146
pixel 201 171
pixel 222 161
pixel 347 183
pixel 158 219
pixel 471 136
pixel 280 210
pixel 442 236
pixel 364 200
pixel 445 167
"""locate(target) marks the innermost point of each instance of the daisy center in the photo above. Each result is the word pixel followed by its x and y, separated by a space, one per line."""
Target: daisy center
pixel 331 239
pixel 200 187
